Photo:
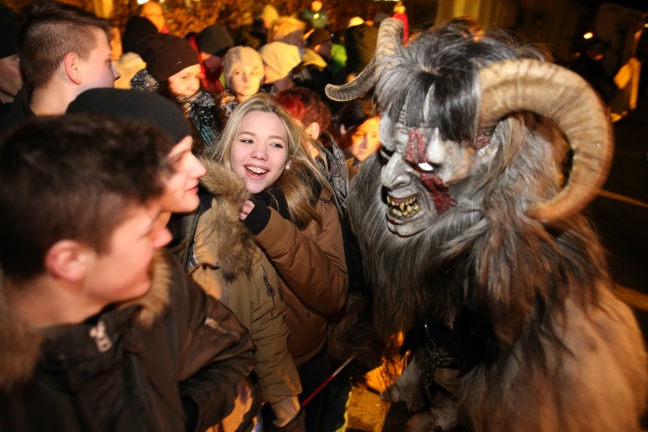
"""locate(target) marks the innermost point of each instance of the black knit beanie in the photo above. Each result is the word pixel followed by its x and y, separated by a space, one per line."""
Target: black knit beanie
pixel 166 55
pixel 137 28
pixel 214 40
pixel 134 105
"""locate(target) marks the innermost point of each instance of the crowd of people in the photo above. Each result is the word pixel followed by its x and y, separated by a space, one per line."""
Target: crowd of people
pixel 175 245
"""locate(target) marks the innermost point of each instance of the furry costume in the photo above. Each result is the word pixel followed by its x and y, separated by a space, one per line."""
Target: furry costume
pixel 471 246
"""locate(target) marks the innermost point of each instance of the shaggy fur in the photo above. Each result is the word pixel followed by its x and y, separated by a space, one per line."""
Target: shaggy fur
pixel 236 244
pixel 538 338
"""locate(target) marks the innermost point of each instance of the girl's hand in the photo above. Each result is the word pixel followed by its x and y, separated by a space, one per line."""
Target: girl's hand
pixel 246 208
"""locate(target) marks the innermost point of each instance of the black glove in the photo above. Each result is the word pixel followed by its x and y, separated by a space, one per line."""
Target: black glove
pixel 258 218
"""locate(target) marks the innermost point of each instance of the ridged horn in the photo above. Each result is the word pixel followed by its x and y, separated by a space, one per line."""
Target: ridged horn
pixel 390 33
pixel 565 98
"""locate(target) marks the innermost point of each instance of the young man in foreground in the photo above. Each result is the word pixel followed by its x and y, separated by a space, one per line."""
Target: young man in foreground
pixel 97 331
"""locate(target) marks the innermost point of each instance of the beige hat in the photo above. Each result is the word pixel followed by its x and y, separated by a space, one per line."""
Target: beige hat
pixel 268 12
pixel 355 21
pixel 241 56
pixel 280 56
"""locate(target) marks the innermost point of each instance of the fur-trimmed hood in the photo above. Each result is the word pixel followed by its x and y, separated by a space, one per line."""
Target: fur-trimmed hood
pixel 231 242
pixel 22 346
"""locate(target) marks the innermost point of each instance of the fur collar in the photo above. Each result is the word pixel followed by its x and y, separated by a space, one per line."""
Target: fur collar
pixel 21 346
pixel 235 246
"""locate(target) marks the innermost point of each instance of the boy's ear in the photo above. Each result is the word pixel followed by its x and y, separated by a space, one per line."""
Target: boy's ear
pixel 67 260
pixel 71 63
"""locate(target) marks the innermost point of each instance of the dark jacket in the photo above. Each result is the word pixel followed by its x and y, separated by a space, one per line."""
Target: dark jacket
pixel 142 365
pixel 17 111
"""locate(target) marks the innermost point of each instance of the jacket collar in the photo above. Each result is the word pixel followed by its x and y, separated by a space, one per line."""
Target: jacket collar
pixel 22 345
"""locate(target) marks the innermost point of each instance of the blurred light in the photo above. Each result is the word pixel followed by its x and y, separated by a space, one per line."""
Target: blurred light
pixel 141 2
pixel 646 25
pixel 588 35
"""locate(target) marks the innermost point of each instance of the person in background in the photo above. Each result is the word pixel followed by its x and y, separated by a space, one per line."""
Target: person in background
pixel 255 36
pixel 293 217
pixel 10 79
pixel 153 12
pixel 129 62
pixel 77 58
pixel 211 44
pixel 358 123
pixel 313 115
pixel 103 330
pixel 315 15
pixel 317 61
pixel 399 13
pixel 288 30
pixel 360 44
pixel 173 70
pixel 279 60
pixel 244 75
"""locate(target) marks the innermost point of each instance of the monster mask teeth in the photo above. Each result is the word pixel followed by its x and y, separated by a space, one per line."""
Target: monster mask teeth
pixel 403 207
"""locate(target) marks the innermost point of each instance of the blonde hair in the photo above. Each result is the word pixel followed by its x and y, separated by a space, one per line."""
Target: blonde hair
pixel 300 182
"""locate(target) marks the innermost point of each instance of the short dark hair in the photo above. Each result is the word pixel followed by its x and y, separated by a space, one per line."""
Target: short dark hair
pixel 73 177
pixel 50 31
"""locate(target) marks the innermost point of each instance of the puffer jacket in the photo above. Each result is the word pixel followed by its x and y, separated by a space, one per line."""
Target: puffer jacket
pixel 133 366
pixel 229 266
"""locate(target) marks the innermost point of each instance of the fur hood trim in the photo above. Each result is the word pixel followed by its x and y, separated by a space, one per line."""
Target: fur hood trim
pixel 236 247
pixel 21 345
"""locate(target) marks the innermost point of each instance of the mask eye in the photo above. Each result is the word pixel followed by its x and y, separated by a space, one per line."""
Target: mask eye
pixel 426 167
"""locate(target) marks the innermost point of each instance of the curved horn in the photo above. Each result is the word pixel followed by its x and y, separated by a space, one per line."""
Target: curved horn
pixel 565 98
pixel 389 34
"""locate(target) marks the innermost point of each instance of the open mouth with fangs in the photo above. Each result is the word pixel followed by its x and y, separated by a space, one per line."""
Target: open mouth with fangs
pixel 402 208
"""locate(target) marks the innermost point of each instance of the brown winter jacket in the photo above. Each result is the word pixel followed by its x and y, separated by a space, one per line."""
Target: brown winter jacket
pixel 311 265
pixel 231 267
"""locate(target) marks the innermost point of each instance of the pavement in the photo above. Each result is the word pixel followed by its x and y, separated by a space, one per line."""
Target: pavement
pixel 620 215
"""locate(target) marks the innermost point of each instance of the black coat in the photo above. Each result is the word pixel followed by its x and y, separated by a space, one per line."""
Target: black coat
pixel 175 351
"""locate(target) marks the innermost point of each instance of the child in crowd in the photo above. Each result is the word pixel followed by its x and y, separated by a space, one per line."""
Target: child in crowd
pixel 244 76
pixel 173 70
pixel 104 332
pixel 358 121
pixel 293 218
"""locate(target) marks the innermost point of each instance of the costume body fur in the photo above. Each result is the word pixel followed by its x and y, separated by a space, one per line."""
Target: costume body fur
pixel 513 322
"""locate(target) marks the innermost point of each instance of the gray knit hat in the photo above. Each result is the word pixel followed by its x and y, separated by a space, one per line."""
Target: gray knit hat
pixel 241 56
